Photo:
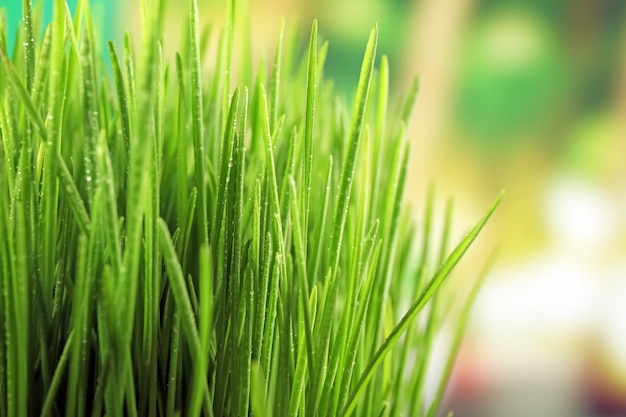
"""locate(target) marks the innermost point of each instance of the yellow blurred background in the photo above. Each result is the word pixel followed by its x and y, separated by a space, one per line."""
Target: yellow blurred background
pixel 523 95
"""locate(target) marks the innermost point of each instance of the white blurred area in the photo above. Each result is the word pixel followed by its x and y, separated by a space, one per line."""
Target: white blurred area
pixel 545 327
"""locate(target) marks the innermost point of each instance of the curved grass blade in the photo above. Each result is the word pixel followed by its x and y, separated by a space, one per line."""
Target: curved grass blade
pixel 430 289
pixel 183 302
pixel 22 93
pixel 55 385
pixel 458 335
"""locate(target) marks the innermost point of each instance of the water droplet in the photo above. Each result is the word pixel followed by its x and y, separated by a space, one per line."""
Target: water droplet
pixel 88 178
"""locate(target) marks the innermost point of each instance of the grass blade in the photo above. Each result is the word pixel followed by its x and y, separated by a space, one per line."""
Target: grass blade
pixel 432 286
pixel 458 335
pixel 183 303
pixel 347 173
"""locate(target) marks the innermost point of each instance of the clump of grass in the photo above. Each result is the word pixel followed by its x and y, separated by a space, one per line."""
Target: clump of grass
pixel 175 245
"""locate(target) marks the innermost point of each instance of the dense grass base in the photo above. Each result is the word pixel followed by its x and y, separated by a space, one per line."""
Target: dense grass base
pixel 174 245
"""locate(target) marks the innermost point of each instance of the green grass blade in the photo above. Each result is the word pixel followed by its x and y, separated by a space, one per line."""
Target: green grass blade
pixel 347 173
pixel 173 368
pixel 58 375
pixel 90 109
pixel 324 330
pixel 262 298
pixel 275 80
pixel 430 289
pixel 110 215
pixel 373 251
pixel 122 97
pixel 257 390
pixel 75 401
pixel 22 93
pixel 297 391
pixel 246 345
pixel 19 304
pixel 183 303
pixel 409 102
pixel 273 184
pixel 205 325
pixel 270 320
pixel 298 238
pixel 320 230
pixel 226 165
pixel 458 336
pixel 197 127
pixel 309 124
pixel 29 43
pixel 71 191
pixel 50 189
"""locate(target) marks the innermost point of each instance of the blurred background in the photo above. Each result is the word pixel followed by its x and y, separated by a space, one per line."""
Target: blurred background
pixel 527 96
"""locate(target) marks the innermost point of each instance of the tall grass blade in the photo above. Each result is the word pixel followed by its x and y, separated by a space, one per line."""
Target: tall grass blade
pixel 347 172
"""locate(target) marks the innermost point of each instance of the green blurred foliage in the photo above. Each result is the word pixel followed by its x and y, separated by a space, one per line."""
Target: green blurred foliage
pixel 104 13
pixel 528 70
pixel 511 75
pixel 346 23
